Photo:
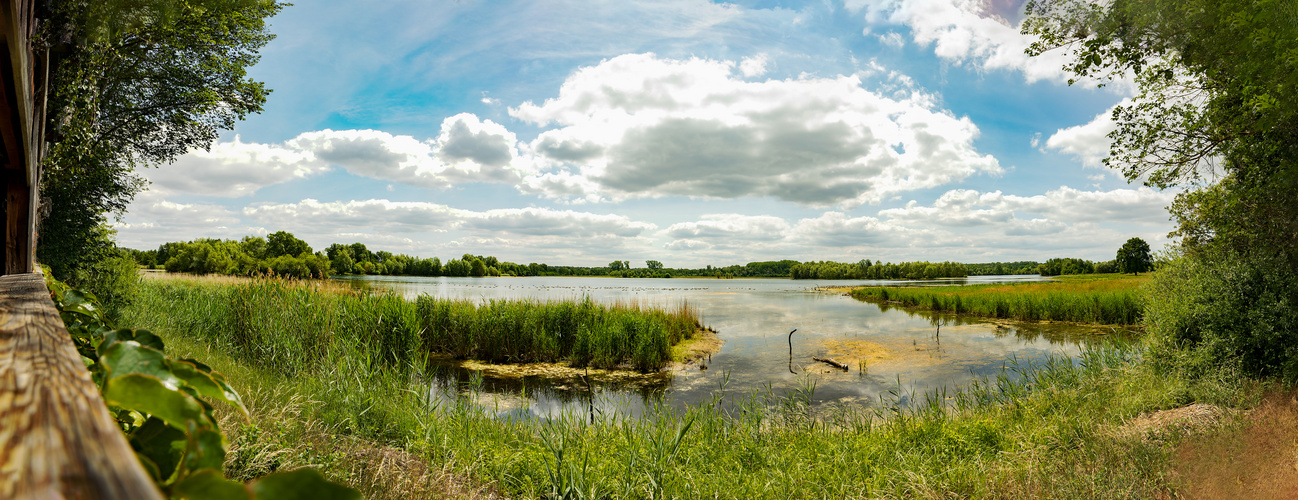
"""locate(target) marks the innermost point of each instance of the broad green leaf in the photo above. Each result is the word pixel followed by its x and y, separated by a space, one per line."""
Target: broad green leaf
pixel 143 337
pixel 162 444
pixel 206 384
pixel 145 393
pixel 124 358
pixel 209 485
pixel 149 467
pixel 301 484
pixel 110 337
pixel 206 450
pixel 198 364
pixel 147 338
pixel 83 303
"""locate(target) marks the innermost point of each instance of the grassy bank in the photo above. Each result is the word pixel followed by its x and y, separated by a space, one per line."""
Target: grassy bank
pixel 294 326
pixel 1049 430
pixel 1100 299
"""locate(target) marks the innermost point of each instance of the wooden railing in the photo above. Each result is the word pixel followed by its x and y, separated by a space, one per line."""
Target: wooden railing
pixel 57 439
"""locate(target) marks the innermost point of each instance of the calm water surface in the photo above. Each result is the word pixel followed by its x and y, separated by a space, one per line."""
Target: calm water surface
pixel 754 317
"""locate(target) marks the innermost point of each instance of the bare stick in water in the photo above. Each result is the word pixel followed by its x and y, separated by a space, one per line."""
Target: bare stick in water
pixel 791 351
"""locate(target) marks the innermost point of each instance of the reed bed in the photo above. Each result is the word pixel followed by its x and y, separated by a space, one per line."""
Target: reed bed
pixel 292 326
pixel 1101 301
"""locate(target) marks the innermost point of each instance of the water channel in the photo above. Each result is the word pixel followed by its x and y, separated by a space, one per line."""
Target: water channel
pixel 900 350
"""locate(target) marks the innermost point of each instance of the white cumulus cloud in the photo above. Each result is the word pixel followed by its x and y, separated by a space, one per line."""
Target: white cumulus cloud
pixel 384 216
pixel 641 126
pixel 753 66
pixel 467 149
pixel 1089 142
pixel 547 222
pixel 964 208
pixel 370 215
pixel 730 227
pixel 984 33
pixel 234 168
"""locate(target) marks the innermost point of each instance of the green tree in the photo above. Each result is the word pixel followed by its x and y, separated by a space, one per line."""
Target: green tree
pixel 428 267
pixel 653 264
pixel 254 246
pixel 1134 257
pixel 456 267
pixel 1217 107
pixel 284 243
pixel 136 83
pixel 340 258
pixel 615 265
pixel 477 268
pixel 1217 112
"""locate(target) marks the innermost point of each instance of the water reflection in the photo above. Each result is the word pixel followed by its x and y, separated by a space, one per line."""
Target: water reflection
pixel 886 348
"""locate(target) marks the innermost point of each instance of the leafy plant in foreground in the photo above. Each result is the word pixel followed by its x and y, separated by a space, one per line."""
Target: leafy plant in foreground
pixel 158 403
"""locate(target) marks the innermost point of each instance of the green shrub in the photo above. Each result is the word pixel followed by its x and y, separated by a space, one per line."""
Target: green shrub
pixel 115 280
pixel 1208 311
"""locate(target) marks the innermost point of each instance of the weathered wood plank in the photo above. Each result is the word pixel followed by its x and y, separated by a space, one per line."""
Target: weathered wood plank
pixel 56 437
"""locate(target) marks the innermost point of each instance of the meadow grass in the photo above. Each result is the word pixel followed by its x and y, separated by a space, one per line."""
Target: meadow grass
pixel 290 326
pixel 1100 299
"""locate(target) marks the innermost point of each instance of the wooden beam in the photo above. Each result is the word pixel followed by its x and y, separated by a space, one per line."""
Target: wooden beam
pixel 57 439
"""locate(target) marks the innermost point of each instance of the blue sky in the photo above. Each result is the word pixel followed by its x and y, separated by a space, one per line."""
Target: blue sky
pixel 684 131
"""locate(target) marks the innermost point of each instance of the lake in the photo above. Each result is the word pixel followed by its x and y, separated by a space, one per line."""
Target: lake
pixel 903 351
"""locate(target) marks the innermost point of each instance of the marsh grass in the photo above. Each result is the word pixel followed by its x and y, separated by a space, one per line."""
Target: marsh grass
pixel 289 427
pixel 1034 430
pixel 291 326
pixel 1102 299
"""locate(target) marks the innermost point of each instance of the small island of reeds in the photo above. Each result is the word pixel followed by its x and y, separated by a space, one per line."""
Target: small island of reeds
pixel 289 325
pixel 1109 299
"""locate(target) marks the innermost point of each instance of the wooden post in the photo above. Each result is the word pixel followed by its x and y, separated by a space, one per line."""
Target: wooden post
pixel 57 439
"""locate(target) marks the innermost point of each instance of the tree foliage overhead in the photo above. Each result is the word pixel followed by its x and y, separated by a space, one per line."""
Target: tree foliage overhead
pixel 1217 112
pixel 137 83
pixel 1217 107
pixel 1213 75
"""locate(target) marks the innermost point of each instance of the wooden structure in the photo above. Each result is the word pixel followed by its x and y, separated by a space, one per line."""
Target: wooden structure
pixel 57 439
pixel 22 119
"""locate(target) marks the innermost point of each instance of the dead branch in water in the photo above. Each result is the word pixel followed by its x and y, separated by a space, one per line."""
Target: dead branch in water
pixel 832 362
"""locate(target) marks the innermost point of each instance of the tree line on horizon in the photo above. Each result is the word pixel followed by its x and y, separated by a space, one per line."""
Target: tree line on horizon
pixel 283 254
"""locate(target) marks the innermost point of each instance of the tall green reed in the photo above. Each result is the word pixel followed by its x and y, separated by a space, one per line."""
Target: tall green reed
pixel 291 326
pixel 1104 306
